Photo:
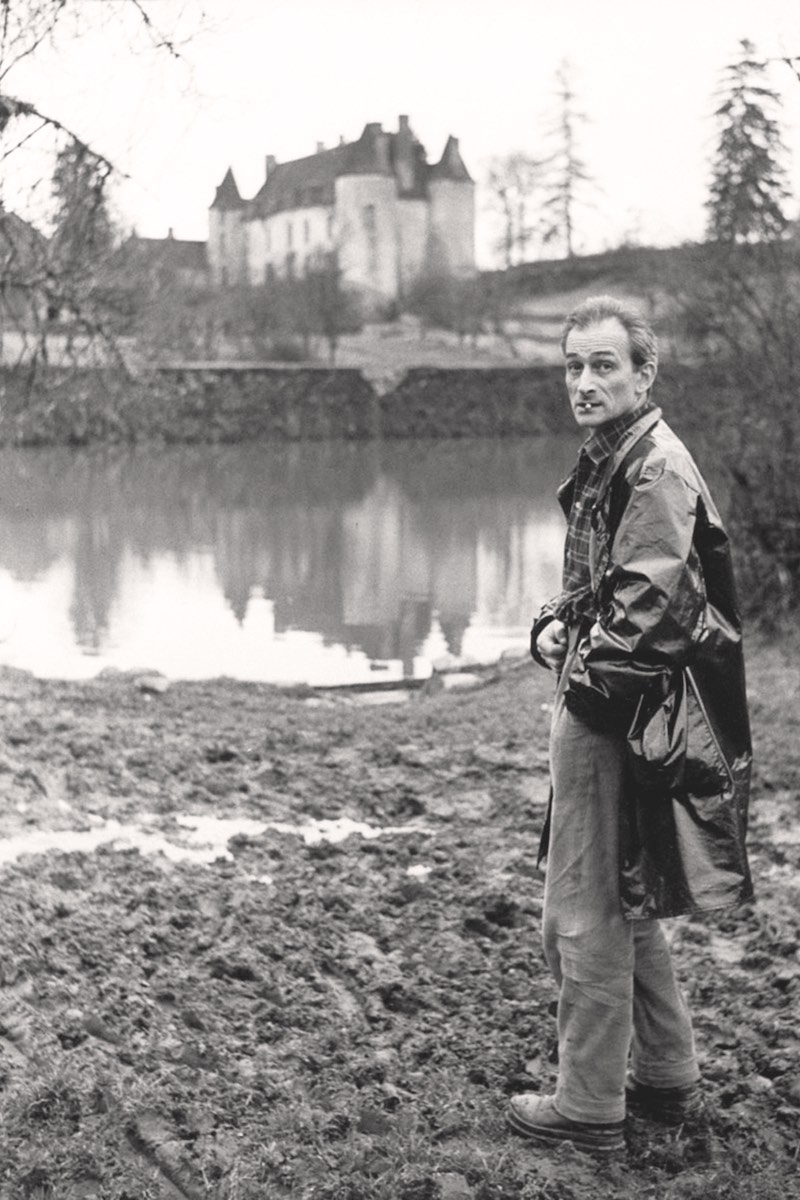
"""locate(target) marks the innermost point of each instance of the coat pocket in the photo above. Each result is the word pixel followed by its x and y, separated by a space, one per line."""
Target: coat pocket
pixel 658 738
pixel 673 749
pixel 708 772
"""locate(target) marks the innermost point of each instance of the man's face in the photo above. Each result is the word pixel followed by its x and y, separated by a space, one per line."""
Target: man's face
pixel 602 381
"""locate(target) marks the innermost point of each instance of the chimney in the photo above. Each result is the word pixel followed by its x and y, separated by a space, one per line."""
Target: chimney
pixel 171 233
pixel 341 139
pixel 404 164
pixel 382 150
pixel 320 147
pixel 270 165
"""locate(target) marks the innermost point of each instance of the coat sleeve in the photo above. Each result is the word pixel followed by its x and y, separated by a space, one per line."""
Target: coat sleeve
pixel 651 603
pixel 546 615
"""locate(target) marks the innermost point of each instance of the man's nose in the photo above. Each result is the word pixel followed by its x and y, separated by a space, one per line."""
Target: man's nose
pixel 586 381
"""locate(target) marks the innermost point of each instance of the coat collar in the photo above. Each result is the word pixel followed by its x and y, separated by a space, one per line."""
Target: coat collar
pixel 603 441
pixel 633 434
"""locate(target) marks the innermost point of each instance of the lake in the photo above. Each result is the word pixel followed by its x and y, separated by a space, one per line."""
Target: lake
pixel 330 563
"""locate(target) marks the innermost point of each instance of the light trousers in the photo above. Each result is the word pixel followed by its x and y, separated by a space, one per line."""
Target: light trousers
pixel 617 990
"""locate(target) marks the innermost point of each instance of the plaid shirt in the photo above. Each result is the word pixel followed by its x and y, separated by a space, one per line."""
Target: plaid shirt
pixel 576 599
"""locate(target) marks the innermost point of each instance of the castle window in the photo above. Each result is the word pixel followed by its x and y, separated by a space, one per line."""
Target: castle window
pixel 298 198
pixel 269 273
pixel 290 264
pixel 330 227
pixel 306 231
pixel 268 240
pixel 289 233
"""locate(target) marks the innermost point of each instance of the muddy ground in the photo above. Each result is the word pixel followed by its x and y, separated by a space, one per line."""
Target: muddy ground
pixel 343 1020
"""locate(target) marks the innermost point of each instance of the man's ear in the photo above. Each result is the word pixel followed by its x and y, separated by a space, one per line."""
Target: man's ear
pixel 647 376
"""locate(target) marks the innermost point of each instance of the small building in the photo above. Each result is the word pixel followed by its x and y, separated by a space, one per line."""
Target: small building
pixel 163 261
pixel 377 203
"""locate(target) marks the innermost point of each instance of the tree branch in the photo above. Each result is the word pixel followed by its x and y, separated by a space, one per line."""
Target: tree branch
pixel 11 108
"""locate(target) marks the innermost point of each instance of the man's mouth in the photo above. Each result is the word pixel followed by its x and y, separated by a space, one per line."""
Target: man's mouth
pixel 585 406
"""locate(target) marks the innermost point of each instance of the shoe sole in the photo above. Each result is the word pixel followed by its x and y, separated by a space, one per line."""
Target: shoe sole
pixel 592 1144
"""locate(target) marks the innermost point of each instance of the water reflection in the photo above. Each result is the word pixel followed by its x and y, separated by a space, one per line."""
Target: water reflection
pixel 320 562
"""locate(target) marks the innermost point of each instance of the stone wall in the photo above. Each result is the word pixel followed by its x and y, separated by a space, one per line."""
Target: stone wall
pixel 231 404
pixel 497 402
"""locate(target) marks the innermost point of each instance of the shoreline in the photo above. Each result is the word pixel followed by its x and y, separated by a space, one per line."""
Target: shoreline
pixel 220 404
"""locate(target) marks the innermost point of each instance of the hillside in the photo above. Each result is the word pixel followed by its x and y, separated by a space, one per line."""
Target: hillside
pixel 540 294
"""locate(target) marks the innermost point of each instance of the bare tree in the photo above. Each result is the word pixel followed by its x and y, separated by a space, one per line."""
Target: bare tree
pixel 332 307
pixel 741 311
pixel 515 182
pixel 442 300
pixel 39 274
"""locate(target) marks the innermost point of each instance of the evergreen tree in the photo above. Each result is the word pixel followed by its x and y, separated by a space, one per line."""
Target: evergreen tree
pixel 748 185
pixel 568 170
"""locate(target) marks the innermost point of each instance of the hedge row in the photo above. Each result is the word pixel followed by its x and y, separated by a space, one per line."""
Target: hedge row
pixel 311 403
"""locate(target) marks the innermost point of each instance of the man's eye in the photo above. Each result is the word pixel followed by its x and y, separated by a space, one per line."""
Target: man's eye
pixel 605 367
pixel 574 368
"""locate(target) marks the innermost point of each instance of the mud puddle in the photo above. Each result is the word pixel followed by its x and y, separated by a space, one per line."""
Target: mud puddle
pixel 197 839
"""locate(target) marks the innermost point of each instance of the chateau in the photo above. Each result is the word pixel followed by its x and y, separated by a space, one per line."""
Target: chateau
pixel 387 213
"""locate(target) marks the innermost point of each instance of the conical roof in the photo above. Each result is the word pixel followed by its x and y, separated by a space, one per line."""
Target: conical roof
pixel 228 196
pixel 451 164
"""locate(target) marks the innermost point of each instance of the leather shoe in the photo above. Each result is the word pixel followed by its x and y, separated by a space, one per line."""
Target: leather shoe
pixel 672 1105
pixel 537 1117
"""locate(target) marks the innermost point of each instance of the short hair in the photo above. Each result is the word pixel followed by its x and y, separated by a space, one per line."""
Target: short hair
pixel 643 341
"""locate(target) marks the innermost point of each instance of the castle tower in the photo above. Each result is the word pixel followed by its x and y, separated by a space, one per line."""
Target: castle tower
pixel 226 234
pixel 366 215
pixel 452 213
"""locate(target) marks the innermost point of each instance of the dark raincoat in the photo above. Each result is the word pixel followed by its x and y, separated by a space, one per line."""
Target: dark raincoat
pixel 662 665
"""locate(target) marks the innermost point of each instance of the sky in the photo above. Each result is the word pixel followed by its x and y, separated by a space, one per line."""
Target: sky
pixel 259 77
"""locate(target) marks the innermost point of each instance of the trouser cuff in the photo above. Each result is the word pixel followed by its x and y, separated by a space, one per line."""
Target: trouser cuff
pixel 666 1074
pixel 589 1112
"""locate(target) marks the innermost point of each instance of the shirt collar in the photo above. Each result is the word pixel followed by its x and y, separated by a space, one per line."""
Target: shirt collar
pixel 604 440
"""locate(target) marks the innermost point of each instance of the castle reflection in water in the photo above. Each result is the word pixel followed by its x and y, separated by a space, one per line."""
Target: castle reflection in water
pixel 370 546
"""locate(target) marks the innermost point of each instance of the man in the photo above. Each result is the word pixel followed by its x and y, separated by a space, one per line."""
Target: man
pixel 650 746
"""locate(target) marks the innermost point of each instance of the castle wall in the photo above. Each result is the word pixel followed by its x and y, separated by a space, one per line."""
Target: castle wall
pixel 413 223
pixel 452 226
pixel 388 225
pixel 269 243
pixel 227 252
pixel 366 232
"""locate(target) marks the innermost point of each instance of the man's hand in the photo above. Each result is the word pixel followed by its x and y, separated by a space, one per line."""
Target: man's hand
pixel 552 644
